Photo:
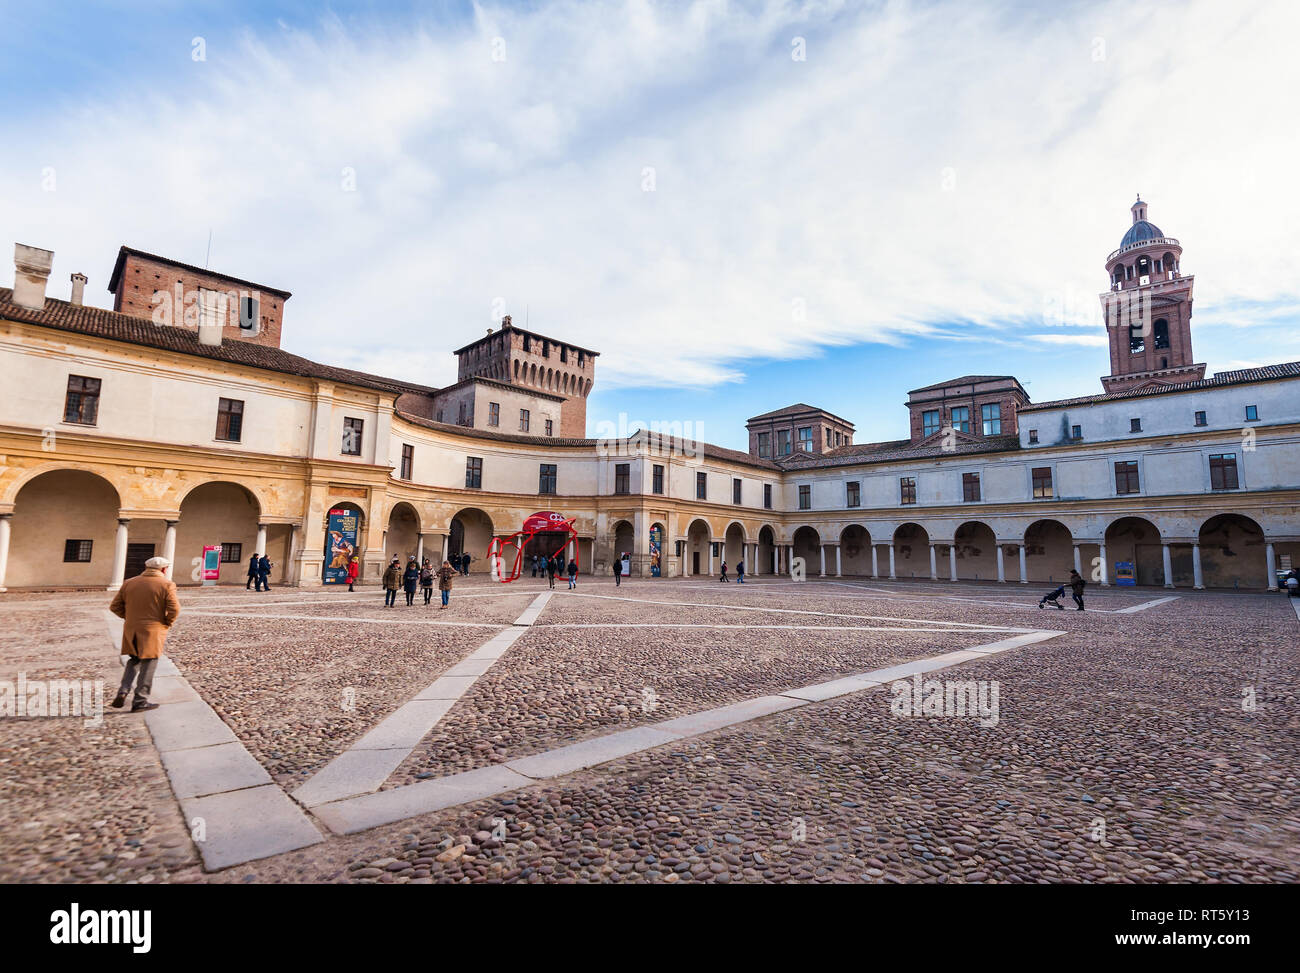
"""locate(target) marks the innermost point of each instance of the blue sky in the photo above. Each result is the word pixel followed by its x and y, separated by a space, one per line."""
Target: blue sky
pixel 741 205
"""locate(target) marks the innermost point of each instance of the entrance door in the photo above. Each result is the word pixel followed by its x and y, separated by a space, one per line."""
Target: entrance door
pixel 695 562
pixel 136 555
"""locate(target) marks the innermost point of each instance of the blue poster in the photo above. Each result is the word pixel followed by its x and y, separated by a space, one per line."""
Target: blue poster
pixel 340 545
pixel 1124 573
pixel 656 542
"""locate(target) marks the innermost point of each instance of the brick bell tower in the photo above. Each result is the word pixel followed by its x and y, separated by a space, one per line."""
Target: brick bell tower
pixel 1148 310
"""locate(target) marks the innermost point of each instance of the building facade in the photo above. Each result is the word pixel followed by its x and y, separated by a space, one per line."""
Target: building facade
pixel 126 436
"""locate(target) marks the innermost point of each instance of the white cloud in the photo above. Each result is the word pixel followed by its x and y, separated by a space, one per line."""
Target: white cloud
pixel 925 165
pixel 1091 340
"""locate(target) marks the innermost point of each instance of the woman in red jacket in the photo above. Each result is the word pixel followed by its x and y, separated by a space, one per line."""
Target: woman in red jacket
pixel 353 567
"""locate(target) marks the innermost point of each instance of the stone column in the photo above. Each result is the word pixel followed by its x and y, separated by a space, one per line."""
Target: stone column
pixel 1105 578
pixel 1270 565
pixel 259 548
pixel 1169 565
pixel 934 565
pixel 169 545
pixel 875 562
pixel 708 549
pixel 821 557
pixel 839 563
pixel 1002 566
pixel 419 549
pixel 290 575
pixel 5 526
pixel 1078 560
pixel 952 562
pixel 446 542
pixel 1024 572
pixel 776 559
pixel 1198 582
pixel 892 575
pixel 119 556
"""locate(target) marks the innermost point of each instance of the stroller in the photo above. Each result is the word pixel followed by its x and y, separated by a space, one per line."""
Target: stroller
pixel 1051 598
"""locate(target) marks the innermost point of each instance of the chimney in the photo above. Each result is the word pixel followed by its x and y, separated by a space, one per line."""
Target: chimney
pixel 31 272
pixel 78 288
pixel 505 321
pixel 212 313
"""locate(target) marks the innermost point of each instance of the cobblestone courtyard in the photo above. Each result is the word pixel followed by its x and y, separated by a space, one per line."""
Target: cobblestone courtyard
pixel 664 731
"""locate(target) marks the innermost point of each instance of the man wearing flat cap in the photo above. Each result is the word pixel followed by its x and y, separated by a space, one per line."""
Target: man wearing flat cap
pixel 148 606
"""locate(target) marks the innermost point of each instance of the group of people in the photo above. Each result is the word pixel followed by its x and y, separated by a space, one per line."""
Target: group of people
pixel 740 573
pixel 555 566
pixel 422 575
pixel 259 572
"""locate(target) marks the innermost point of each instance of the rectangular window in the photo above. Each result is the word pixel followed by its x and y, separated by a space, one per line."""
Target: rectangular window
pixel 462 414
pixel 735 489
pixel 929 422
pixel 1223 471
pixel 657 480
pixel 494 413
pixel 1200 418
pixel 970 487
pixel 1076 432
pixel 1252 413
pixel 1042 482
pixel 546 478
pixel 248 316
pixel 82 403
pixel 907 490
pixel 854 493
pixel 961 418
pixel 623 478
pixel 1135 425
pixel 564 353
pixel 805 497
pixel 523 420
pixel 783 442
pixel 77 551
pixel 473 472
pixel 764 445
pixel 991 417
pixel 1033 435
pixel 408 461
pixel 550 427
pixel 701 486
pixel 1126 477
pixel 230 419
pixel 231 553
pixel 827 441
pixel 767 496
pixel 805 439
pixel 352 436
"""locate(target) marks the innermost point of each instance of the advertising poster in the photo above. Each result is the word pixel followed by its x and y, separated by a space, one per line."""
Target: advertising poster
pixel 340 544
pixel 656 543
pixel 211 564
pixel 1124 573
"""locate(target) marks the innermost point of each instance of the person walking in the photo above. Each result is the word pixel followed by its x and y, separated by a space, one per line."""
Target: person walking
pixel 464 561
pixel 252 571
pixel 618 572
pixel 410 578
pixel 264 573
pixel 445 575
pixel 148 607
pixel 551 569
pixel 1076 589
pixel 426 580
pixel 740 573
pixel 573 574
pixel 392 581
pixel 724 573
pixel 354 568
pixel 535 561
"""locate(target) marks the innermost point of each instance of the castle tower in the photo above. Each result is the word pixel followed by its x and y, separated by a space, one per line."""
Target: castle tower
pixel 1148 310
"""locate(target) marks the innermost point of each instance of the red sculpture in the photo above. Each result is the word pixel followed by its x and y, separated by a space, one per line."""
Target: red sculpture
pixel 544 522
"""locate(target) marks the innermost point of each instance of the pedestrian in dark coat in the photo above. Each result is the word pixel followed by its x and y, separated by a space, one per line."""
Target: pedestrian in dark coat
pixel 426 580
pixel 573 574
pixel 410 578
pixel 1076 589
pixel 264 573
pixel 618 572
pixel 551 569
pixel 252 571
pixel 535 564
pixel 464 564
pixel 724 573
pixel 740 573
pixel 392 581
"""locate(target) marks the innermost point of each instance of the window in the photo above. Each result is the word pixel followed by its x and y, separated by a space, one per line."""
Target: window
pixel 657 480
pixel 77 551
pixel 1135 425
pixel 623 478
pixel 408 461
pixel 550 427
pixel 1223 471
pixel 767 496
pixel 523 420
pixel 564 353
pixel 1161 333
pixel 991 418
pixel 231 553
pixel 1200 418
pixel 494 413
pixel 854 498
pixel 352 436
pixel 473 472
pixel 961 418
pixel 1042 476
pixel 783 442
pixel 701 486
pixel 735 489
pixel 805 497
pixel 929 422
pixel 907 490
pixel 764 444
pixel 826 442
pixel 82 403
pixel 528 343
pixel 970 487
pixel 805 439
pixel 1076 432
pixel 546 478
pixel 1033 435
pixel 230 419
pixel 461 414
pixel 1126 477
pixel 1252 413
pixel 248 315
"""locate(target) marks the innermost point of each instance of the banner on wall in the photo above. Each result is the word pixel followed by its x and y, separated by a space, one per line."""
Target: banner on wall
pixel 211 564
pixel 340 544
pixel 656 543
pixel 1124 573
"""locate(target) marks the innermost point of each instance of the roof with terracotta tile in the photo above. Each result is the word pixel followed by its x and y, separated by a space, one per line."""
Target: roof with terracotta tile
pixel 1240 376
pixel 800 408
pixel 124 252
pixel 897 449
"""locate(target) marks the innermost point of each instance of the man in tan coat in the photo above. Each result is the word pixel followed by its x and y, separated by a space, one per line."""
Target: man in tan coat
pixel 148 605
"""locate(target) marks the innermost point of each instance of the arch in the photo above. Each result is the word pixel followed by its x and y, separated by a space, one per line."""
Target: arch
pixel 1232 552
pixel 532 374
pixel 698 537
pixel 1160 333
pixel 252 493
pixel 223 512
pixel 911 550
pixel 806 543
pixel 52 508
pixel 402 537
pixel 14 487
pixel 471 532
pixel 623 539
pixel 855 550
pixel 733 546
pixel 1137 541
pixel 976 544
pixel 766 550
pixel 1049 551
pixel 1168 261
pixel 516 361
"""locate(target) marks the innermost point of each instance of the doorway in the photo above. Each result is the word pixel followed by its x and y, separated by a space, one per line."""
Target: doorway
pixel 136 555
pixel 695 562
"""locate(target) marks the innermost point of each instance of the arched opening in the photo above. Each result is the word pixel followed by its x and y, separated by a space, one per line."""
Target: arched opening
pixel 977 551
pixel 1232 553
pixel 698 537
pixel 855 550
pixel 734 548
pixel 624 541
pixel 766 551
pixel 403 536
pixel 1136 541
pixel 1049 552
pixel 807 544
pixel 911 551
pixel 471 532
pixel 220 513
pixel 1160 334
pixel 1168 262
pixel 63 530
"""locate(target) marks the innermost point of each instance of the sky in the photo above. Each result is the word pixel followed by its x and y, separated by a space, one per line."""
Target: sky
pixel 740 205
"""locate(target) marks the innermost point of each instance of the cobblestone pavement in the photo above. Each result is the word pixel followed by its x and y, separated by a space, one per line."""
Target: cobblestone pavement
pixel 1160 745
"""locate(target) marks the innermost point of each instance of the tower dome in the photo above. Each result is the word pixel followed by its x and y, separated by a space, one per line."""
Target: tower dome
pixel 1139 231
